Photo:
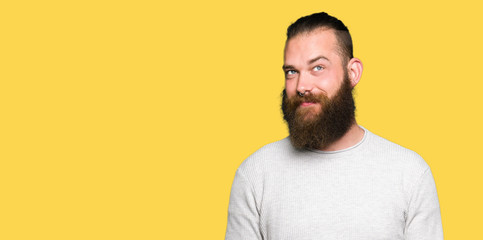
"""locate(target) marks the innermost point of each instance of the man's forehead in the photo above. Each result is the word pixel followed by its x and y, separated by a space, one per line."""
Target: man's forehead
pixel 321 41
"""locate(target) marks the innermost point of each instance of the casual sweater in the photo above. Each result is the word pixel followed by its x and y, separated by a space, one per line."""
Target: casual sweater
pixel 373 190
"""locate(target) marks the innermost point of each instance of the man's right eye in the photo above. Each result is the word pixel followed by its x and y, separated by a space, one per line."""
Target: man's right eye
pixel 290 72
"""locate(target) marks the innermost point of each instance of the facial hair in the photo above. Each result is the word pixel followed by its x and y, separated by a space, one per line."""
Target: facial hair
pixel 317 130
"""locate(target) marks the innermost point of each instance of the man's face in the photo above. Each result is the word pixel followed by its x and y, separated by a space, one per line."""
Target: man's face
pixel 314 67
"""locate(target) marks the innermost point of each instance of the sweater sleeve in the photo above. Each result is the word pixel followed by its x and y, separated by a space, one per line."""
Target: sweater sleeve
pixel 423 215
pixel 243 216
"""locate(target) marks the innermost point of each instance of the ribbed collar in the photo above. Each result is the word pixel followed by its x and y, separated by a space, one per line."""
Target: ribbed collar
pixel 343 152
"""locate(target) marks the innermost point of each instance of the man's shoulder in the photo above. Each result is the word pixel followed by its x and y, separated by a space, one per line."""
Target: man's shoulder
pixel 402 156
pixel 267 155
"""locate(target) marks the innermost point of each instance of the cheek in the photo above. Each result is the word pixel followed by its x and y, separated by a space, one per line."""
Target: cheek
pixel 329 84
pixel 291 88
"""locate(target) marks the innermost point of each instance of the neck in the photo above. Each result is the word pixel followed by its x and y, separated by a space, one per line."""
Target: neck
pixel 353 136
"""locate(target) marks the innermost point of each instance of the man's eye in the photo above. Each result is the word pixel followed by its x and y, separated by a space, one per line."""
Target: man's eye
pixel 318 68
pixel 290 72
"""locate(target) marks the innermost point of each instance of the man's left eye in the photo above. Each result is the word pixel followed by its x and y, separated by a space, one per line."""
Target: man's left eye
pixel 318 68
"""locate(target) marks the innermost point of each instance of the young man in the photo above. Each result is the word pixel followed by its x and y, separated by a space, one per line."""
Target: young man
pixel 331 178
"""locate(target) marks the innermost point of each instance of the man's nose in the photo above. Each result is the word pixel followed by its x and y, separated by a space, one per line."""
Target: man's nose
pixel 304 83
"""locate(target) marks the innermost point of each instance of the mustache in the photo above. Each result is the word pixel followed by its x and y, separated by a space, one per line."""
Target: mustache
pixel 319 98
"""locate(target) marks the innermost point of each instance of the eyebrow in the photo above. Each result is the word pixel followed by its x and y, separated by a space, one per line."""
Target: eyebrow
pixel 288 67
pixel 317 59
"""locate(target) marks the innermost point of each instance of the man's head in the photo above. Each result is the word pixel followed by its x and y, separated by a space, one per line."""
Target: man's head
pixel 320 74
pixel 323 20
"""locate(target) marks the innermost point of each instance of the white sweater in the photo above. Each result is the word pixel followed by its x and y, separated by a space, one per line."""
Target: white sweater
pixel 373 190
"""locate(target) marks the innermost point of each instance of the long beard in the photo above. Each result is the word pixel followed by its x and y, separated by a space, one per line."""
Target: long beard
pixel 310 129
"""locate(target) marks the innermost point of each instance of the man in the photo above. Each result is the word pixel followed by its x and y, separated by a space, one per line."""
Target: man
pixel 331 178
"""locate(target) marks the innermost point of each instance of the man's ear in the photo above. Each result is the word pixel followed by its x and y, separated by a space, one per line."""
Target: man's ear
pixel 354 68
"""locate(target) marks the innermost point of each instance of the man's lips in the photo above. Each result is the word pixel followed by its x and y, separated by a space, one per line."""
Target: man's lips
pixel 306 104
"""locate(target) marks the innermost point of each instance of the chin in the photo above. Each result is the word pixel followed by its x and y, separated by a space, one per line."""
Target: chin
pixel 309 114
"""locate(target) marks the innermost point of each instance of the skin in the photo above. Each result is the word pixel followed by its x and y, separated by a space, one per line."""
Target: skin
pixel 313 65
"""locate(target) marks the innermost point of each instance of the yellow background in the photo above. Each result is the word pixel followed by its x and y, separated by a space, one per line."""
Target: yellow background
pixel 128 119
